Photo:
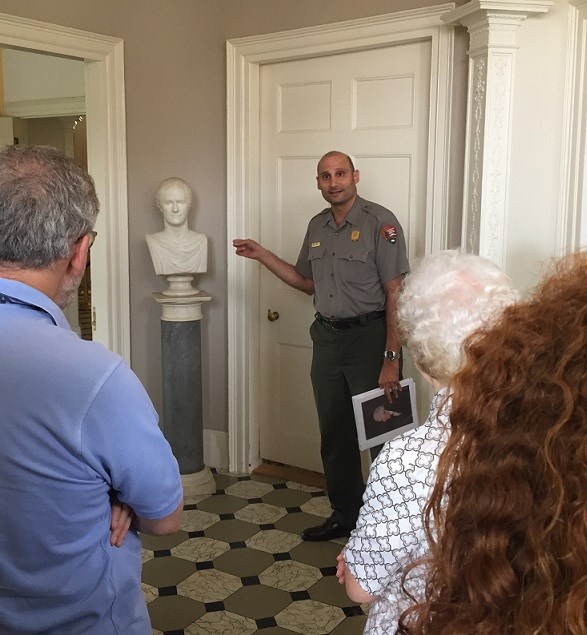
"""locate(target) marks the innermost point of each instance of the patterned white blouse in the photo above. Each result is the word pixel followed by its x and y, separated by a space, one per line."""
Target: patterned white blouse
pixel 389 532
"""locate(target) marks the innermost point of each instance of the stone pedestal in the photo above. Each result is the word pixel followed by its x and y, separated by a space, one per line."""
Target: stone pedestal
pixel 182 388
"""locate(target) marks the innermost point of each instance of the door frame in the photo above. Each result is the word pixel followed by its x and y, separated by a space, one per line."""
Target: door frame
pixel 106 137
pixel 572 204
pixel 245 56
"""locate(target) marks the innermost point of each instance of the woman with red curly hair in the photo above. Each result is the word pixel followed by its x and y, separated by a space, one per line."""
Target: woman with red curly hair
pixel 507 518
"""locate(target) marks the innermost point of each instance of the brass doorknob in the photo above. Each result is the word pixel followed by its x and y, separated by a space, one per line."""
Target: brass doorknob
pixel 272 315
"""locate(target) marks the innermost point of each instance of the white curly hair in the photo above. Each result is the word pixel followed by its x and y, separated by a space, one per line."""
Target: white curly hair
pixel 447 296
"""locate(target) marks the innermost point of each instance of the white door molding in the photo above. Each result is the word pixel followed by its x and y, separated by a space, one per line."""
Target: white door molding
pixel 56 107
pixel 572 209
pixel 106 131
pixel 492 26
pixel 244 58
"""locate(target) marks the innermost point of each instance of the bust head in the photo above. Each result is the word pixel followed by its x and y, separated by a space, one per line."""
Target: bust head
pixel 174 199
pixel 381 414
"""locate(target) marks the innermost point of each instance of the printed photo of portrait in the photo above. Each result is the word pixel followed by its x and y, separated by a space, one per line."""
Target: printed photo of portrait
pixel 378 419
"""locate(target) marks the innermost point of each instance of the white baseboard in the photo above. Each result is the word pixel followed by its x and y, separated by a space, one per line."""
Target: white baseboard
pixel 216 449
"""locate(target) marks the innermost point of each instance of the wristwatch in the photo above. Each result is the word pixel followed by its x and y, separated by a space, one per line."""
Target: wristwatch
pixel 390 355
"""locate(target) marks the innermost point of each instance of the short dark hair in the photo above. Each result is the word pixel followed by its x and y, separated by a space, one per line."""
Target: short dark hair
pixel 46 203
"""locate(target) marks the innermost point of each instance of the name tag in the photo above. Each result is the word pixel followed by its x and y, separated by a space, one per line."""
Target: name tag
pixel 316 244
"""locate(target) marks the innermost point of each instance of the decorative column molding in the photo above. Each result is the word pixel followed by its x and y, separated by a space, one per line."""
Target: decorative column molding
pixel 492 26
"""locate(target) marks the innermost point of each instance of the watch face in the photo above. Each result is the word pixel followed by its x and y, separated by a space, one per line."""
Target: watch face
pixel 390 355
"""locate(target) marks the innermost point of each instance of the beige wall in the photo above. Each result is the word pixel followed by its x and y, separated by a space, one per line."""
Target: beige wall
pixel 175 75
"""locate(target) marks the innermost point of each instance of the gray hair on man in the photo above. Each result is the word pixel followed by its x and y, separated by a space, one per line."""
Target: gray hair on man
pixel 446 297
pixel 47 202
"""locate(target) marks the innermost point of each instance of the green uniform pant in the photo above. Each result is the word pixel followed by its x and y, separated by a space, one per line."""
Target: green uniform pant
pixel 345 362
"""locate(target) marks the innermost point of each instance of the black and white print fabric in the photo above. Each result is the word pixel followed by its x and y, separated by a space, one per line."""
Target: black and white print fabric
pixel 389 531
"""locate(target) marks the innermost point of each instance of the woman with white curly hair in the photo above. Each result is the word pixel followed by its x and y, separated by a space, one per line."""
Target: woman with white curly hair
pixel 444 299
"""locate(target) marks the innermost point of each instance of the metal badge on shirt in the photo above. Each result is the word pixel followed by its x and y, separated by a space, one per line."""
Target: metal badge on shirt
pixel 389 232
pixel 355 235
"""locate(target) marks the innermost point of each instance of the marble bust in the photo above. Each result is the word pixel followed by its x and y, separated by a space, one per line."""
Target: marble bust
pixel 177 249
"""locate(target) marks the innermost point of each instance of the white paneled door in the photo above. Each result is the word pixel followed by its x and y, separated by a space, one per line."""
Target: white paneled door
pixel 374 105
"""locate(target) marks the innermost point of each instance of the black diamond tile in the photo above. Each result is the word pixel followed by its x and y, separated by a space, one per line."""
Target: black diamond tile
pixel 161 553
pixel 214 606
pixel 196 534
pixel 293 510
pixel 266 622
pixel 267 526
pixel 296 596
pixel 167 590
pixel 325 571
pixel 318 494
pixel 180 632
pixel 219 491
pixel 280 486
pixel 190 507
pixel 226 516
pixel 281 556
pixel 241 544
pixel 243 478
pixel 202 566
pixel 352 611
pixel 255 500
pixel 250 580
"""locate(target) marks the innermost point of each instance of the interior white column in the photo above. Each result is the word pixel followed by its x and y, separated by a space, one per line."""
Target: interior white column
pixel 492 26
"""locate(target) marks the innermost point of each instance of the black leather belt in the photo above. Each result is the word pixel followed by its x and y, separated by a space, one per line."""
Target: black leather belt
pixel 347 323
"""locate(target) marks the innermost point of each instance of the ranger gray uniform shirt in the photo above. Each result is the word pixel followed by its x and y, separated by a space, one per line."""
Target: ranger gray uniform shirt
pixel 350 264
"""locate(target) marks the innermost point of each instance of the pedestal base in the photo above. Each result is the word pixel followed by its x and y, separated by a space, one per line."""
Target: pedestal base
pixel 179 308
pixel 198 484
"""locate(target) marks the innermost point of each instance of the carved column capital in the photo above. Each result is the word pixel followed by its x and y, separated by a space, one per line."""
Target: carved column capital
pixel 493 23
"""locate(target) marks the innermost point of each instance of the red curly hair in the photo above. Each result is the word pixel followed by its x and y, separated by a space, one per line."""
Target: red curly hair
pixel 507 518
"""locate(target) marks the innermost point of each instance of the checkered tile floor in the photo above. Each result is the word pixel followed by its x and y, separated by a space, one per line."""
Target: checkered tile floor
pixel 238 565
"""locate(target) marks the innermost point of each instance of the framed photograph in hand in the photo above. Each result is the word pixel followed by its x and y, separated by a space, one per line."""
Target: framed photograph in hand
pixel 378 420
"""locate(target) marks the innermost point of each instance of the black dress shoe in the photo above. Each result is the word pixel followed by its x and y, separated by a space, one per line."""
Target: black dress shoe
pixel 328 530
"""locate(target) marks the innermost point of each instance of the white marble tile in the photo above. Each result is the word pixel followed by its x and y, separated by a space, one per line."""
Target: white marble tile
pixel 303 488
pixel 150 592
pixel 249 489
pixel 310 617
pixel 210 585
pixel 260 513
pixel 200 549
pixel 273 541
pixel 319 506
pixel 289 575
pixel 221 623
pixel 197 520
pixel 146 555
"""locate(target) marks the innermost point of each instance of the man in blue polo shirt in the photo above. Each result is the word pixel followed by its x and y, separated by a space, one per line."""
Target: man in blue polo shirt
pixel 78 431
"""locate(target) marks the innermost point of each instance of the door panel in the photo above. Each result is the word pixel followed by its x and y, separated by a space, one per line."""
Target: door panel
pixel 373 105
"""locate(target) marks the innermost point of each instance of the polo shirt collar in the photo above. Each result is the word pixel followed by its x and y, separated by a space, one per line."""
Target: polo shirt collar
pixel 35 298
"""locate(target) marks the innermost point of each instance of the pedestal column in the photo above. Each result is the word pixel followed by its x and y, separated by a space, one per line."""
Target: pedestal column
pixel 492 26
pixel 182 422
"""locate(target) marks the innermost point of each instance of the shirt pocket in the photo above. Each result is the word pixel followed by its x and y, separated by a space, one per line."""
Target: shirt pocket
pixel 354 264
pixel 316 258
